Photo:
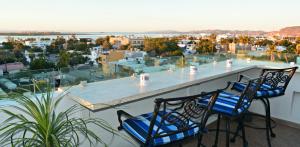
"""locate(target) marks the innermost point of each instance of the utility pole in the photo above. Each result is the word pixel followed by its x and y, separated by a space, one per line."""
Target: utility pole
pixel 5 72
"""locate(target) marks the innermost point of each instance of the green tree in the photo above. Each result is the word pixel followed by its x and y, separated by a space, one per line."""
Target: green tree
pixel 64 59
pixel 205 46
pixel 162 46
pixel 264 42
pixel 71 43
pixel 8 45
pixel 82 47
pixel 77 59
pixel 41 63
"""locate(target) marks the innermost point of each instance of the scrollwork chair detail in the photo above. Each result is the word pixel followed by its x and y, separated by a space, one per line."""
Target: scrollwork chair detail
pixel 275 84
pixel 229 105
pixel 173 120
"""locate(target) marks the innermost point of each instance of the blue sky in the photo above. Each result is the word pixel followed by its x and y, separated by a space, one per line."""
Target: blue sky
pixel 147 15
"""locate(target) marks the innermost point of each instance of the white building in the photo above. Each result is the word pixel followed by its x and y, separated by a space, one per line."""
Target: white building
pixel 188 46
pixel 261 48
pixel 280 48
pixel 135 54
pixel 41 44
pixel 95 53
pixel 232 48
pixel 223 36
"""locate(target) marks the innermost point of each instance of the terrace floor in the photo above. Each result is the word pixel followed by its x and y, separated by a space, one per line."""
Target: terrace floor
pixel 286 136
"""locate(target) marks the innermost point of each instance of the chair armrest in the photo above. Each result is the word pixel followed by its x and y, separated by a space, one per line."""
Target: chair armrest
pixel 121 114
pixel 244 77
pixel 227 86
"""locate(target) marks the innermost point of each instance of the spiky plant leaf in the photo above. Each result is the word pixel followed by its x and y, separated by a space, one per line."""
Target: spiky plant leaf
pixel 36 122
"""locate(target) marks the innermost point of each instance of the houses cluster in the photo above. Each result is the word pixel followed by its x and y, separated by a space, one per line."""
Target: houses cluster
pixel 135 42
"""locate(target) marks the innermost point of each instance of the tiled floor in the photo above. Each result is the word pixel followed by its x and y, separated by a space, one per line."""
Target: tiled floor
pixel 286 137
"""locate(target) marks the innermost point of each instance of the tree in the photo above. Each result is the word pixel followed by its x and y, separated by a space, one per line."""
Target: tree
pixel 71 43
pixel 41 63
pixel 106 45
pixel 244 39
pixel 298 40
pixel 162 46
pixel 64 59
pixel 212 37
pixel 124 47
pixel 298 49
pixel 8 45
pixel 82 47
pixel 77 59
pixel 100 41
pixel 264 42
pixel 205 46
pixel 52 49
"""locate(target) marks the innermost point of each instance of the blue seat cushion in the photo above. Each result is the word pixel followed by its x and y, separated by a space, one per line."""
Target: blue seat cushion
pixel 139 126
pixel 264 91
pixel 226 104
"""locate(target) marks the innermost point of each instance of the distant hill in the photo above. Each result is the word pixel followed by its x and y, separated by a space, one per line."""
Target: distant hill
pixel 245 32
pixel 290 31
pixel 216 31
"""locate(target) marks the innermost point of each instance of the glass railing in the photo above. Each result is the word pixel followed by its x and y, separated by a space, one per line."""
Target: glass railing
pixel 124 68
pixel 269 56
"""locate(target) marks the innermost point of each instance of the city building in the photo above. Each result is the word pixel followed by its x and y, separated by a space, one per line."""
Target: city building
pixel 261 48
pixel 87 40
pixel 232 48
pixel 41 43
pixel 111 56
pixel 12 67
pixel 135 54
pixel 280 48
pixel 118 41
pixel 188 46
pixel 219 37
pixel 135 42
pixel 95 52
pixel 298 49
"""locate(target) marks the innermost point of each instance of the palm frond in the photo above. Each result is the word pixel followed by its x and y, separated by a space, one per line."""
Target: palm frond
pixel 33 121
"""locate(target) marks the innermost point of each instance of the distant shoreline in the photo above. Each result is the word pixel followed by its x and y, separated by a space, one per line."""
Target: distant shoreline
pixel 40 34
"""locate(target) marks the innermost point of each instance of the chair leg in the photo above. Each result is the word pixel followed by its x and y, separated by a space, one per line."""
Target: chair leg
pixel 267 123
pixel 236 133
pixel 217 131
pixel 269 119
pixel 245 143
pixel 203 125
pixel 180 144
pixel 227 131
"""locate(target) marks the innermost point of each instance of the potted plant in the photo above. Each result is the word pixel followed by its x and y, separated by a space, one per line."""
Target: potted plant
pixel 35 121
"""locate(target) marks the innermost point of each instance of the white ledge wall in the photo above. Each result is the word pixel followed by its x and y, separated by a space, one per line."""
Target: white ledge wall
pixel 140 102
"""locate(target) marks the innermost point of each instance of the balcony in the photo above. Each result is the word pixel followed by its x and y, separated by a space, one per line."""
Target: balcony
pixel 102 98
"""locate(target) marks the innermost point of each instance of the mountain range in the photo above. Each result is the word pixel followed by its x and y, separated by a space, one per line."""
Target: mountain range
pixel 287 31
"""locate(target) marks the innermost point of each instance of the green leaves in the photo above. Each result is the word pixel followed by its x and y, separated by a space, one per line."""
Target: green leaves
pixel 34 121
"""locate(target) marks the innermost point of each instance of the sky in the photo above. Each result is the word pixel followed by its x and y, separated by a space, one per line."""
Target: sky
pixel 147 15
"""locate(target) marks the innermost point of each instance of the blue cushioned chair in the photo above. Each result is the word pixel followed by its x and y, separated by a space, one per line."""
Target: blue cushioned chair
pixel 172 120
pixel 228 106
pixel 274 85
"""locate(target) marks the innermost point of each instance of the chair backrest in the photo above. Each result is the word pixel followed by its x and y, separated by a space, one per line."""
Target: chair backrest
pixel 276 78
pixel 249 93
pixel 183 112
